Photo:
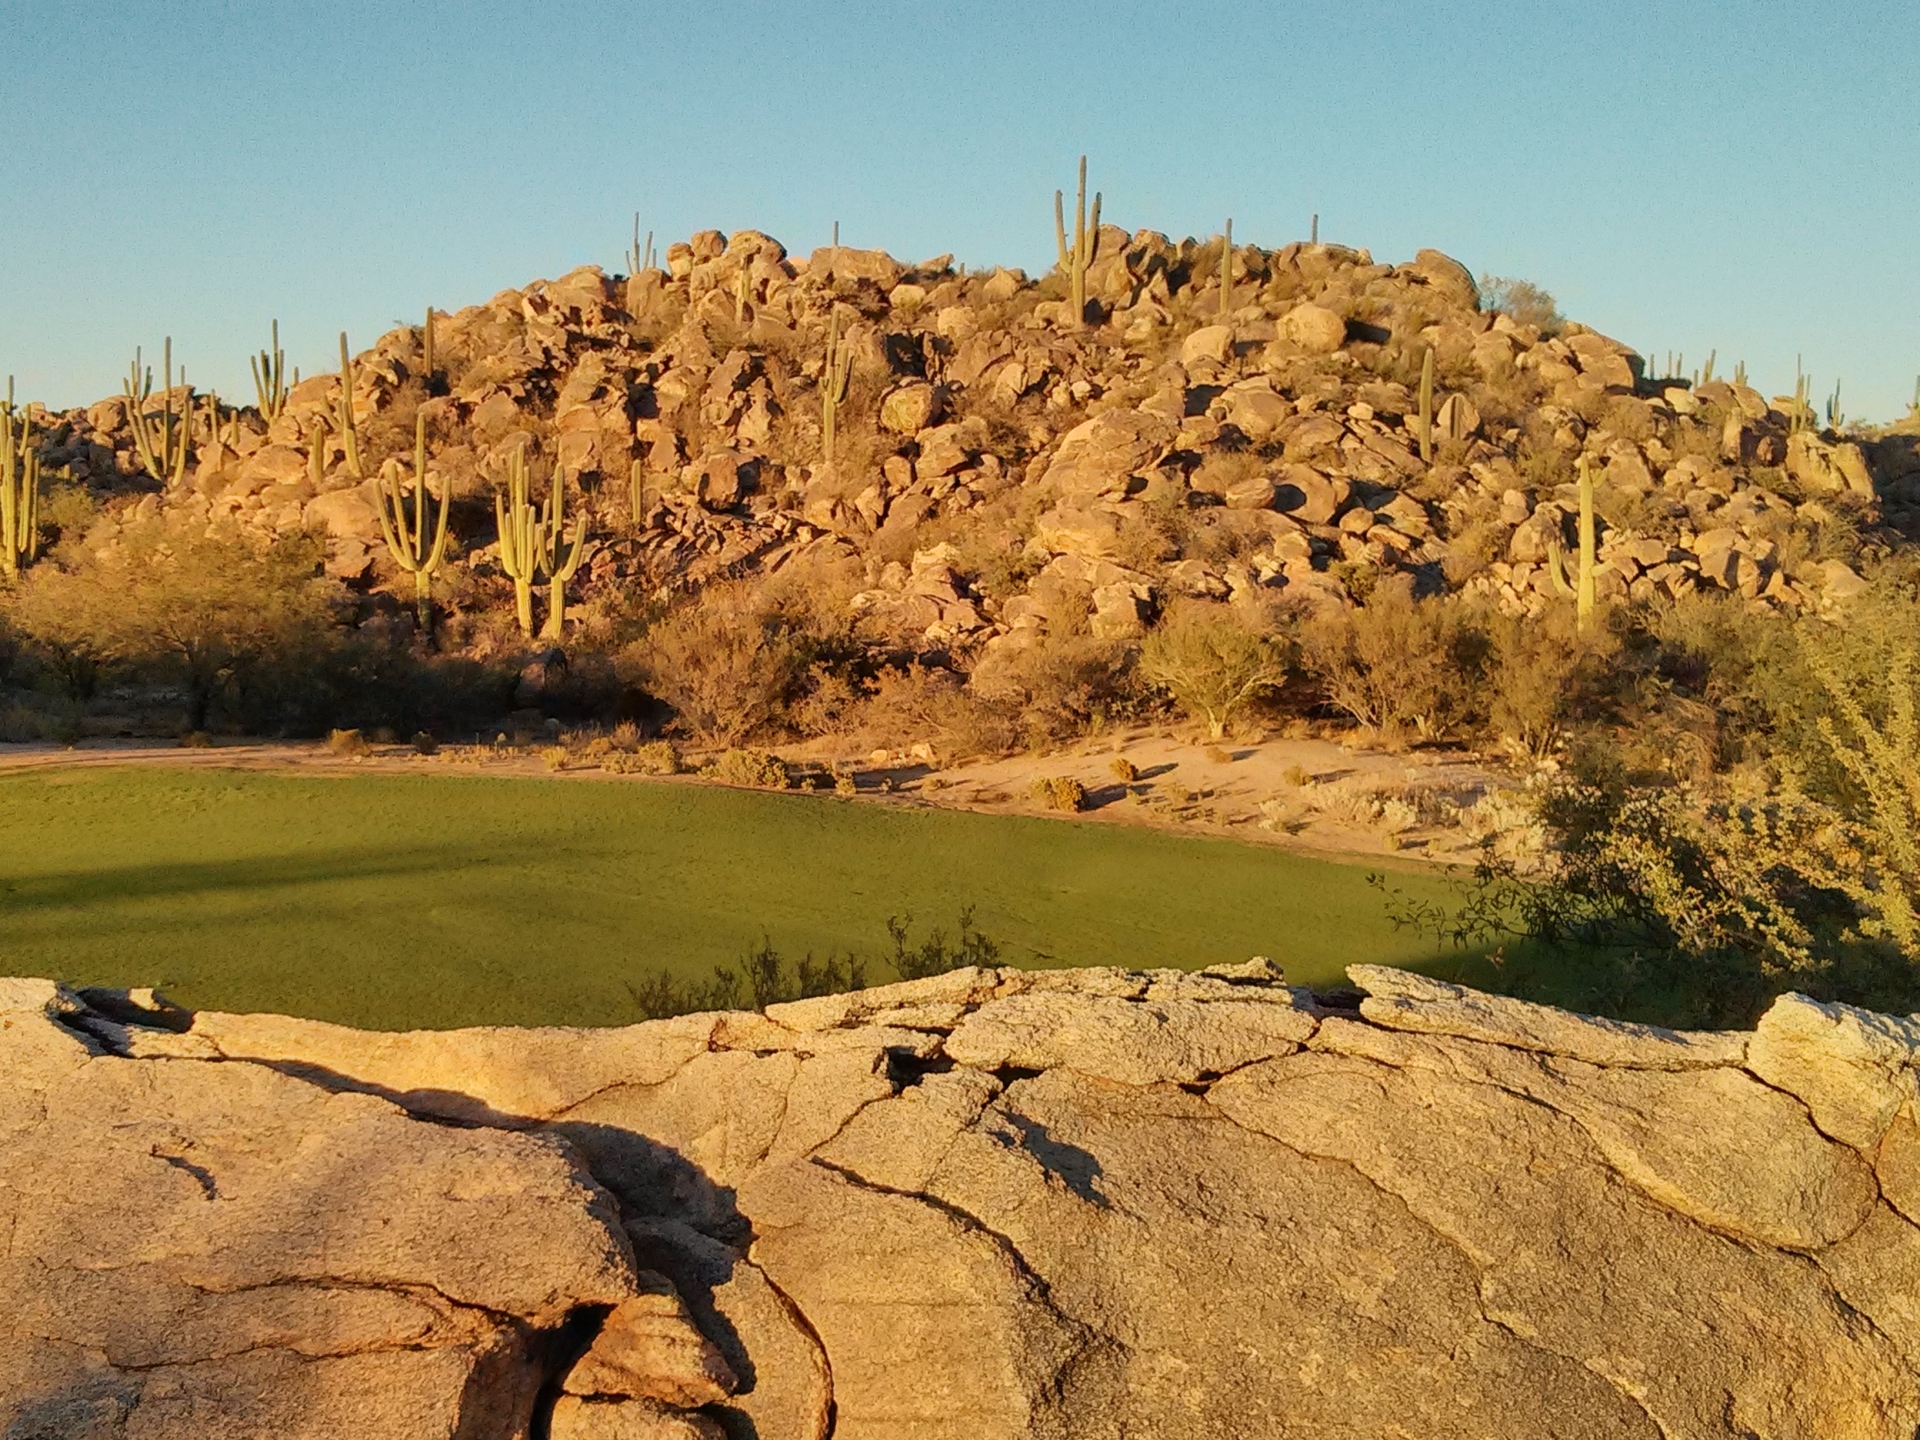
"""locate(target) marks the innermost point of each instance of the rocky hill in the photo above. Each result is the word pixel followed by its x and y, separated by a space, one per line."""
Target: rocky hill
pixel 993 1203
pixel 1003 469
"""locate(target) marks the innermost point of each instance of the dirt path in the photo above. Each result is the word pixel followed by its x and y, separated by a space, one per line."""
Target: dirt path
pixel 1310 796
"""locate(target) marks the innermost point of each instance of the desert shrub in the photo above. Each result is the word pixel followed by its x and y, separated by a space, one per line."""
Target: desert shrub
pixel 1543 675
pixel 554 757
pixel 933 956
pixel 1057 687
pixel 1124 770
pixel 725 663
pixel 347 742
pixel 213 611
pixel 764 977
pixel 1212 662
pixel 750 767
pixel 845 786
pixel 1058 792
pixel 1395 665
pixel 905 705
pixel 657 757
pixel 424 744
pixel 1523 301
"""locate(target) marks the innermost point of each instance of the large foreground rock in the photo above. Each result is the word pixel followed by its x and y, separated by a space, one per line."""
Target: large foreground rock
pixel 1095 1203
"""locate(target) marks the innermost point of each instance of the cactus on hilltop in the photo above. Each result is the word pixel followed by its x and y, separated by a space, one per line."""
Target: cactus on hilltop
pixel 162 446
pixel 1226 271
pixel 19 490
pixel 406 533
pixel 1074 262
pixel 270 377
pixel 639 259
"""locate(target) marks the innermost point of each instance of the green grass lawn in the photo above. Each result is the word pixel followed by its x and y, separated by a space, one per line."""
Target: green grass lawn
pixel 395 901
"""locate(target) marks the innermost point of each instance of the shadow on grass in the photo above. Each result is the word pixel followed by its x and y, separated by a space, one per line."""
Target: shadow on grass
pixel 23 895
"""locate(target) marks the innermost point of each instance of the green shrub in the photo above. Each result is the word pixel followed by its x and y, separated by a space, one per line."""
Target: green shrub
pixel 765 978
pixel 750 767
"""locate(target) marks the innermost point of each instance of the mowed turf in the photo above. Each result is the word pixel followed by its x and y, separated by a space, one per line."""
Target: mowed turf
pixel 396 901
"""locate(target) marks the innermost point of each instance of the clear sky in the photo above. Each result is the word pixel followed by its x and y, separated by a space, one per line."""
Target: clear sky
pixel 1686 176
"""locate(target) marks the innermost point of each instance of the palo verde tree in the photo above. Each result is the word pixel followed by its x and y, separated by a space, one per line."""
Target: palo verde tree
pixel 1212 663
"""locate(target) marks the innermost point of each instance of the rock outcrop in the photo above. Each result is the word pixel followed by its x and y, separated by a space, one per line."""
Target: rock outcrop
pixel 993 1203
pixel 1283 430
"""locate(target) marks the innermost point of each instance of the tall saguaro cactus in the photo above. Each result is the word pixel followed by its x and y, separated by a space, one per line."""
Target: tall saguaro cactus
pixel 560 554
pixel 535 543
pixel 1074 262
pixel 1581 592
pixel 19 490
pixel 406 533
pixel 270 378
pixel 162 446
pixel 1226 271
pixel 344 421
pixel 518 524
pixel 834 375
pixel 1426 408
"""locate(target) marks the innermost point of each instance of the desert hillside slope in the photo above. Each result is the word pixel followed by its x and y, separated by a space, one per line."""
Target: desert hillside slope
pixel 1004 477
pixel 993 1203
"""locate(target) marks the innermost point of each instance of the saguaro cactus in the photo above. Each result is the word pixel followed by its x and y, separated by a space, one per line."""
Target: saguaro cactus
pixel 426 346
pixel 19 491
pixel 1426 408
pixel 518 525
pixel 560 554
pixel 163 446
pixel 1581 592
pixel 1226 271
pixel 535 543
pixel 406 533
pixel 639 259
pixel 834 375
pixel 1074 262
pixel 269 379
pixel 344 422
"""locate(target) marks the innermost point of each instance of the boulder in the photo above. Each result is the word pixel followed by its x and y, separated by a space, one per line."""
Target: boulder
pixel 842 262
pixel 909 407
pixel 1314 328
pixel 1100 456
pixel 1308 495
pixel 346 514
pixel 1447 277
pixel 1211 342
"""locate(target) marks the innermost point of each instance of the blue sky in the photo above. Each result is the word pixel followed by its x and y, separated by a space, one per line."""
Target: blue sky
pixel 1686 176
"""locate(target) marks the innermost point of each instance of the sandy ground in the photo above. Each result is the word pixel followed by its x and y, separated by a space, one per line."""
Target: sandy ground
pixel 1261 792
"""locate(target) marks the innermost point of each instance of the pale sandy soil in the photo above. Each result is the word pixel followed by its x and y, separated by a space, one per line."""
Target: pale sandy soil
pixel 1181 785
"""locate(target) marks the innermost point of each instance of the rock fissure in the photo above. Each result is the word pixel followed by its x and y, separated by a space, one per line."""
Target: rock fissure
pixel 1009 1251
